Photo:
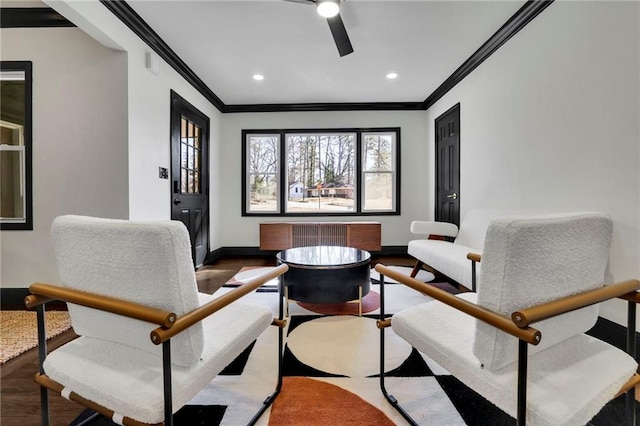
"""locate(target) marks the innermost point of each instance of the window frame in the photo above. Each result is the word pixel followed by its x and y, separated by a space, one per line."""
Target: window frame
pixel 282 193
pixel 26 224
pixel 394 174
pixel 246 192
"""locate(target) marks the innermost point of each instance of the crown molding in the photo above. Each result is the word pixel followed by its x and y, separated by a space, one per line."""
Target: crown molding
pixel 131 19
pixel 345 106
pixel 32 17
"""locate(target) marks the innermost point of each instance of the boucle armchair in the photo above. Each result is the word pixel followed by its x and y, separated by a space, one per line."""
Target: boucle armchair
pixel 519 341
pixel 149 341
pixel 444 247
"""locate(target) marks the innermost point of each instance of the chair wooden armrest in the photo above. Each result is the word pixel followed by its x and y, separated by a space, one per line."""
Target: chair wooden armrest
pixel 161 334
pixel 43 293
pixel 634 296
pixel 527 316
pixel 474 257
pixel 528 334
pixel 427 228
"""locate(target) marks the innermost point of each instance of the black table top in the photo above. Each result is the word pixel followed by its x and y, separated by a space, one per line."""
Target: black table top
pixel 324 256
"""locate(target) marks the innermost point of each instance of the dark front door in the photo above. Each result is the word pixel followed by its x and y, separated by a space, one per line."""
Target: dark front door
pixel 190 173
pixel 448 166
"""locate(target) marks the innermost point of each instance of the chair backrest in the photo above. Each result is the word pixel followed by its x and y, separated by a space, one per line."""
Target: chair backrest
pixel 473 227
pixel 528 261
pixel 144 262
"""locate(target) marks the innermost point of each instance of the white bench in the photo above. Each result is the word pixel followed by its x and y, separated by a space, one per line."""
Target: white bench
pixel 450 258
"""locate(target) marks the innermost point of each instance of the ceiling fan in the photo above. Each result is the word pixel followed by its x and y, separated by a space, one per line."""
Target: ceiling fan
pixel 330 9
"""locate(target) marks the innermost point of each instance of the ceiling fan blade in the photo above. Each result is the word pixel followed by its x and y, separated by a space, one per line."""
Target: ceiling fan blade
pixel 302 1
pixel 339 33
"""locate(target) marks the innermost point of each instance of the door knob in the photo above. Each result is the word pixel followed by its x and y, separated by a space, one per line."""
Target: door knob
pixel 454 196
pixel 176 201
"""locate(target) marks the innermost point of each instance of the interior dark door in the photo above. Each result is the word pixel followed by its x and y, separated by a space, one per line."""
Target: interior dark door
pixel 190 173
pixel 448 166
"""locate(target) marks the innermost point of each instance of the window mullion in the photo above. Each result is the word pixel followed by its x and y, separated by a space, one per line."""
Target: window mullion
pixel 282 169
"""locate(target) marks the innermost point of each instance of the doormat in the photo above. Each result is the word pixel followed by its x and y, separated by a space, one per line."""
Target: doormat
pixel 19 330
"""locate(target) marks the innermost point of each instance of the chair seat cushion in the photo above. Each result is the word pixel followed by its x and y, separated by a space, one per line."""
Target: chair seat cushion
pixel 131 379
pixel 447 258
pixel 568 383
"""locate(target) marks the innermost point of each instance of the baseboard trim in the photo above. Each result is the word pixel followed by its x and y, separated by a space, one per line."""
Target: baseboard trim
pixel 221 252
pixel 13 296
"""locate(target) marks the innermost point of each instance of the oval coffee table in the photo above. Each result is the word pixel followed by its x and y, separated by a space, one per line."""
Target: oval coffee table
pixel 326 274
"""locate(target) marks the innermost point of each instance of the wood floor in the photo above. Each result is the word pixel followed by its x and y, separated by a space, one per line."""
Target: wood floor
pixel 20 396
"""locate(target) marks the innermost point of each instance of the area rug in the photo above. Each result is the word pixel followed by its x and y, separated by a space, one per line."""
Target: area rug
pixel 19 330
pixel 370 302
pixel 336 358
pixel 422 275
pixel 330 370
pixel 247 273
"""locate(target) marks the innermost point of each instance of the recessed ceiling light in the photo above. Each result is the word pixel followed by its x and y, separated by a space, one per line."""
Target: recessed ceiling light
pixel 392 75
pixel 258 77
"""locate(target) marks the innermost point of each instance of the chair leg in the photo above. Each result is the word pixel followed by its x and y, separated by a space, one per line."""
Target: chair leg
pixel 42 354
pixel 416 268
pixel 473 276
pixel 631 350
pixel 392 400
pixel 522 383
pixel 269 400
pixel 166 374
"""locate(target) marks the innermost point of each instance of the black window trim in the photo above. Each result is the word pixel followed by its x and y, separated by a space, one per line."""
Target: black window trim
pixel 359 131
pixel 27 67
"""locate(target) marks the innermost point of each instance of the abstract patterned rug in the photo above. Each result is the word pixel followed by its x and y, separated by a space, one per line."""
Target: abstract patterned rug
pixel 330 370
pixel 328 361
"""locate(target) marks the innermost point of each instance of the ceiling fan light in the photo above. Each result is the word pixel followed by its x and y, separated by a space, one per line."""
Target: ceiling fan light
pixel 328 8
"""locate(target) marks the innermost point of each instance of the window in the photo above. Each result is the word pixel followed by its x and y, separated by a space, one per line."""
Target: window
pixel 15 146
pixel 262 173
pixel 190 157
pixel 321 172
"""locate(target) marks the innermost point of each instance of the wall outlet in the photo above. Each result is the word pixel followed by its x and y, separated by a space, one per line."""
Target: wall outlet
pixel 163 173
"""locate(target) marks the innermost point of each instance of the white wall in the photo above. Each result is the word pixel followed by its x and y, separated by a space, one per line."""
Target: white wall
pixel 79 141
pixel 243 231
pixel 101 130
pixel 551 122
pixel 149 109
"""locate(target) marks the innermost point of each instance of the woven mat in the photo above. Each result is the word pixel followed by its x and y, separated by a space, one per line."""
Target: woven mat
pixel 19 331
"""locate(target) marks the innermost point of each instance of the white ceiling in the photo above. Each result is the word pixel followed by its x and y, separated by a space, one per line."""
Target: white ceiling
pixel 226 42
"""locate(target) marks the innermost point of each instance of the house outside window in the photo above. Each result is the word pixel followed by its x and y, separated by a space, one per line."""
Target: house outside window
pixel 321 172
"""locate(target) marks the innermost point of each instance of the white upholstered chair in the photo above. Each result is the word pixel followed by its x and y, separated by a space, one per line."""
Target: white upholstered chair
pixel 149 341
pixel 519 341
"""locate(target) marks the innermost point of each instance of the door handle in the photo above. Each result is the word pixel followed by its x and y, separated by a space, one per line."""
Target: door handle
pixel 454 196
pixel 176 201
